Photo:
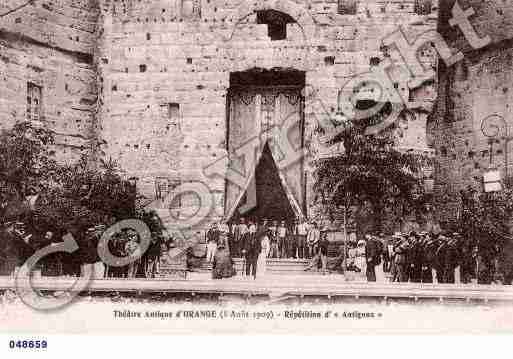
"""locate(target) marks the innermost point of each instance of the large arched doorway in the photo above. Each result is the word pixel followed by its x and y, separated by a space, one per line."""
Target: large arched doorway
pixel 261 103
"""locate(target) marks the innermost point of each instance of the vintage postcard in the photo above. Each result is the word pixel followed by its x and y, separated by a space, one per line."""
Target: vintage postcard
pixel 255 167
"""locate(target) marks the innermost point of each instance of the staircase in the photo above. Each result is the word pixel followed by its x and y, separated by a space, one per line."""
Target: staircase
pixel 275 266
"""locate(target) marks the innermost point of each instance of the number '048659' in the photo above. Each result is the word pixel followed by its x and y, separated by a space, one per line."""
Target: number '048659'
pixel 28 344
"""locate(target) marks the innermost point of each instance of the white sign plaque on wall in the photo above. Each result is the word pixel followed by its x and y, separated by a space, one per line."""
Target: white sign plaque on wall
pixel 492 181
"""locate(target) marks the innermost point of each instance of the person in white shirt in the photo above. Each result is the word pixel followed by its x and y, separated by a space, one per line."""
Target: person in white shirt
pixel 282 240
pixel 301 231
pixel 224 232
pixel 265 243
pixel 312 240
pixel 212 237
pixel 252 227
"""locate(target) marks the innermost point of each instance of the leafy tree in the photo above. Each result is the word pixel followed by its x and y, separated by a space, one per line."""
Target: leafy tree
pixel 26 162
pixel 86 196
pixel 79 195
pixel 68 197
pixel 486 216
pixel 370 174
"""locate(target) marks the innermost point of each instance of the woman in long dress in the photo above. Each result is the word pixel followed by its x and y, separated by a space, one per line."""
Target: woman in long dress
pixel 360 260
pixel 262 257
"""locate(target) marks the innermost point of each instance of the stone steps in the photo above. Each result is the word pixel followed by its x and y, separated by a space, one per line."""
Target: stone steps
pixel 274 266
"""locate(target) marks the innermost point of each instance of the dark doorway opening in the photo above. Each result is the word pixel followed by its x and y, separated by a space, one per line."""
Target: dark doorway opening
pixel 272 201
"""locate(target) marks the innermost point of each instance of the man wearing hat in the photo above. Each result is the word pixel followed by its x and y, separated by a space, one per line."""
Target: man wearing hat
pixel 252 226
pixel 9 251
pixel 429 251
pixel 251 248
pixel 323 250
pixel 321 256
pixel 396 237
pixel 400 263
pixel 22 247
pixel 212 238
pixel 282 240
pixel 92 257
pixel 265 224
pixel 291 240
pixel 373 251
pixel 238 232
pixel 312 240
pixel 273 237
pixel 415 257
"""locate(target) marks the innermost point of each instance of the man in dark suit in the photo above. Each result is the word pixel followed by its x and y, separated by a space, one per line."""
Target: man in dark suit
pixel 373 251
pixel 251 248
pixel 238 231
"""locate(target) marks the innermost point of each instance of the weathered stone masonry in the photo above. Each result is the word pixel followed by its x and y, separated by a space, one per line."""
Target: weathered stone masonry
pixel 51 44
pixel 157 53
pixel 149 78
pixel 479 86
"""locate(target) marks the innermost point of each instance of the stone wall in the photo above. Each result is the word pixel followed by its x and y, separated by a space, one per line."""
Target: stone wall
pixel 51 44
pixel 478 86
pixel 154 54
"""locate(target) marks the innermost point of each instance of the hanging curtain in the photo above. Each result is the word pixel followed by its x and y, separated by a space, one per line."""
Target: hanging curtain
pixel 243 126
pixel 286 146
pixel 262 111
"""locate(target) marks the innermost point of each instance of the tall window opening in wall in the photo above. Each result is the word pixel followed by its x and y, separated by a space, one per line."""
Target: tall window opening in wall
pixel 171 112
pixel 276 23
pixel 34 94
pixel 347 7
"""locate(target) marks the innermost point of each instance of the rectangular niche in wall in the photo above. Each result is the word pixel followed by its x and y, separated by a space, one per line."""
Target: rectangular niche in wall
pixel 34 96
pixel 347 7
pixel 171 112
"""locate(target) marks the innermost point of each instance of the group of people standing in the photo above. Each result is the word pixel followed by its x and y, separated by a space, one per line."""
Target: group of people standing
pixel 402 257
pixel 421 257
pixel 255 242
pixel 19 243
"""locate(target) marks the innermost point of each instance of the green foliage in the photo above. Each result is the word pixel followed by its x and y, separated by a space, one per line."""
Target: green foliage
pixel 70 196
pixel 486 216
pixel 153 222
pixel 26 163
pixel 370 172
pixel 86 196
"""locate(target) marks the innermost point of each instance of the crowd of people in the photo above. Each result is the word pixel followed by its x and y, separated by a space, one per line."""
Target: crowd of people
pixel 19 244
pixel 256 242
pixel 400 257
pixel 295 240
pixel 423 257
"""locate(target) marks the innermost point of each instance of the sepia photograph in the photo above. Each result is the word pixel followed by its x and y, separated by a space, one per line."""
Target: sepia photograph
pixel 255 167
